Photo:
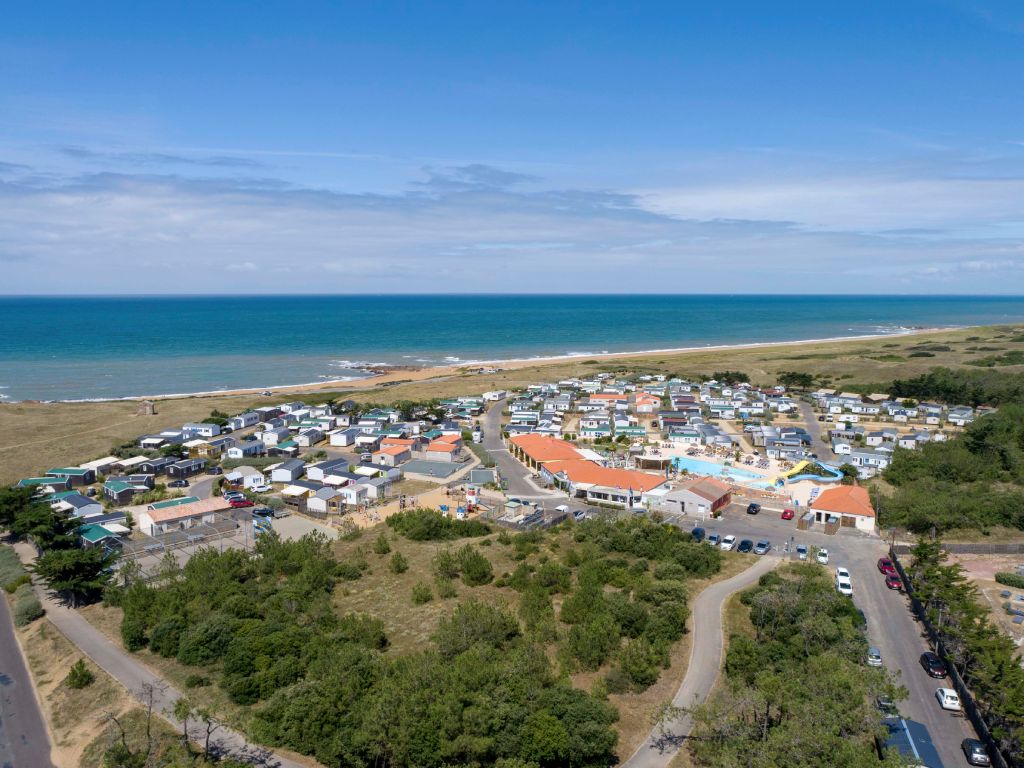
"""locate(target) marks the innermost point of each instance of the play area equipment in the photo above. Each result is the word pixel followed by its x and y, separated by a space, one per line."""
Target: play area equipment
pixel 797 473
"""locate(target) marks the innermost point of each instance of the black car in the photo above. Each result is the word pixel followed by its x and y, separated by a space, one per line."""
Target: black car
pixel 178 484
pixel 745 546
pixel 698 534
pixel 753 509
pixel 215 470
pixel 933 665
pixel 975 752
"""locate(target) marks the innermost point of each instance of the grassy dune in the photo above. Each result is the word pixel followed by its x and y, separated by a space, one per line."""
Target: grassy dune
pixel 36 436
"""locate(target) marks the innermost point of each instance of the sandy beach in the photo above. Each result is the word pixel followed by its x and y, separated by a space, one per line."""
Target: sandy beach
pixel 409 374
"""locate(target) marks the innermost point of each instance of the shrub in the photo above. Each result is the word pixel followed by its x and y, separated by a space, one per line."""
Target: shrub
pixel 196 681
pixel 12 572
pixel 445 565
pixel 639 662
pixel 475 622
pixel 422 593
pixel 474 568
pixel 381 546
pixel 27 607
pixel 398 563
pixel 133 632
pixel 431 525
pixel 79 676
pixel 445 588
pixel 166 636
pixel 1010 580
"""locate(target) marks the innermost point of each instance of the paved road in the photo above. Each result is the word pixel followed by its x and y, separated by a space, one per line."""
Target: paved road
pixel 703 668
pixel 512 472
pixel 24 740
pixel 130 673
pixel 814 428
pixel 891 624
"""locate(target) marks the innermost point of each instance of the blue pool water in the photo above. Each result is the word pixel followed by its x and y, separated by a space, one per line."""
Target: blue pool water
pixel 699 467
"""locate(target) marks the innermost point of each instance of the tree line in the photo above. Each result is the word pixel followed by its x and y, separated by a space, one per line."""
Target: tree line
pixel 986 659
pixel 797 690
pixel 973 481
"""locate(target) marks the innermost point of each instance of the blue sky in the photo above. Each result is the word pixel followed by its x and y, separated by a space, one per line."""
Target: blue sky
pixel 542 147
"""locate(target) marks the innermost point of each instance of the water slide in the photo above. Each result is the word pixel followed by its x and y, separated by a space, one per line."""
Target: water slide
pixel 794 475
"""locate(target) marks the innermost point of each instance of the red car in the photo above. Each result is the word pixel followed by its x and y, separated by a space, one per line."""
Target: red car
pixel 885 566
pixel 893 582
pixel 238 503
pixel 788 514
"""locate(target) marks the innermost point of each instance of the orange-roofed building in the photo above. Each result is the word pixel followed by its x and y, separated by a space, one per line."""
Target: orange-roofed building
pixel 850 503
pixel 392 456
pixel 646 403
pixel 156 521
pixel 534 450
pixel 440 450
pixel 602 485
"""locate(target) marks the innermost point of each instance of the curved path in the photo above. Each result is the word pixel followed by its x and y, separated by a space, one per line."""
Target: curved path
pixel 662 744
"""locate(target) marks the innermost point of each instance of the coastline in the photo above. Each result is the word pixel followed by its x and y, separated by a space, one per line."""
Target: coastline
pixel 403 374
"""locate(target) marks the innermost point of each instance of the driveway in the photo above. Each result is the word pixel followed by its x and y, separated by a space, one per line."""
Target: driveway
pixel 890 623
pixel 515 475
pixel 814 428
pixel 24 739
pixel 706 657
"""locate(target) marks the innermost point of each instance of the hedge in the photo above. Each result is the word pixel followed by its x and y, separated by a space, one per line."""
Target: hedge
pixel 1010 580
pixel 27 607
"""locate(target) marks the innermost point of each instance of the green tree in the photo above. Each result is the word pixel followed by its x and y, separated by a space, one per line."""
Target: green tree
pixel 77 575
pixel 79 676
pixel 398 563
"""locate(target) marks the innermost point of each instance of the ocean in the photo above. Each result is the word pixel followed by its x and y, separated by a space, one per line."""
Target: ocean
pixel 69 348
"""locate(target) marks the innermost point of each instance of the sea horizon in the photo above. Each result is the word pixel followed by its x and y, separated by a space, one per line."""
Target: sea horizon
pixel 102 347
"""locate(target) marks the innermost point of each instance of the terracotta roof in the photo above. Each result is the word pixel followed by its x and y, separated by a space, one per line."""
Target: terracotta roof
pixel 201 507
pixel 544 447
pixel 449 439
pixel 845 500
pixel 442 447
pixel 707 487
pixel 390 441
pixel 394 450
pixel 595 474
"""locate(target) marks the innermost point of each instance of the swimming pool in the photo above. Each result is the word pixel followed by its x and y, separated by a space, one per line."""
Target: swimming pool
pixel 742 476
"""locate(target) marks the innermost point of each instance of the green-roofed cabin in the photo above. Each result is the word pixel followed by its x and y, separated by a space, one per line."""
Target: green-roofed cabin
pixel 76 475
pixel 57 483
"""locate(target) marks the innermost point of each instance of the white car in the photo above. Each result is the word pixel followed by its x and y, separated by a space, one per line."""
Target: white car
pixel 728 543
pixel 801 551
pixel 822 556
pixel 948 699
pixel 842 573
pixel 844 587
pixel 262 488
pixel 874 657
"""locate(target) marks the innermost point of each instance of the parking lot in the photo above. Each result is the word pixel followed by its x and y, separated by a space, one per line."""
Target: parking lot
pixel 891 626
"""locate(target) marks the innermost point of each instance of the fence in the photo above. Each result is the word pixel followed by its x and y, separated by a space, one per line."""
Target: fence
pixel 970 708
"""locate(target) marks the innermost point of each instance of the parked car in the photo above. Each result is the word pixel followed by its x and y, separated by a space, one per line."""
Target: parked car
pixel 262 488
pixel 788 514
pixel 886 566
pixel 822 556
pixel 713 539
pixel 762 547
pixel 948 699
pixel 933 665
pixel 698 534
pixel 842 573
pixel 753 509
pixel 844 587
pixel 874 657
pixel 745 546
pixel 801 551
pixel 282 512
pixel 975 752
pixel 214 470
pixel 893 582
pixel 366 458
pixel 262 512
pixel 178 484
pixel 240 503
pixel 728 543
